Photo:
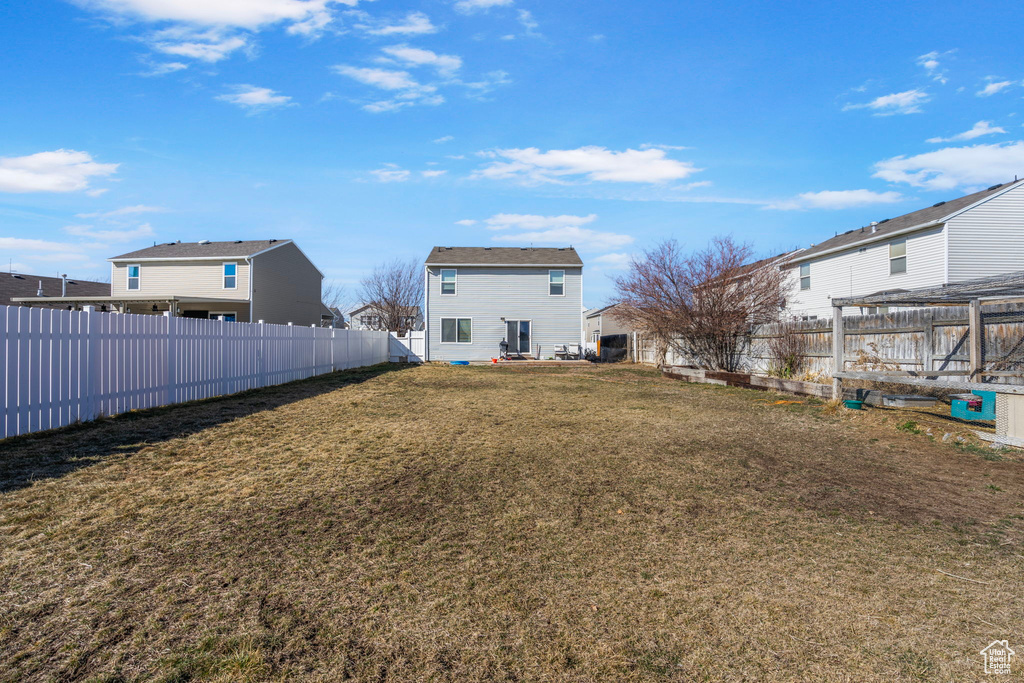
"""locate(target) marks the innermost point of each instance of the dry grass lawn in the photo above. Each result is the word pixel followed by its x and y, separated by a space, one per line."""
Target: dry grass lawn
pixel 439 523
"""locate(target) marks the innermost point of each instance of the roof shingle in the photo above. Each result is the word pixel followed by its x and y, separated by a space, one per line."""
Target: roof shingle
pixel 187 250
pixel 503 256
pixel 19 285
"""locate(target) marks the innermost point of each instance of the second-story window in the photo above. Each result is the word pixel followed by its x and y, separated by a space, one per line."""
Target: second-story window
pixel 897 257
pixel 230 275
pixel 805 276
pixel 134 277
pixel 448 280
pixel 556 282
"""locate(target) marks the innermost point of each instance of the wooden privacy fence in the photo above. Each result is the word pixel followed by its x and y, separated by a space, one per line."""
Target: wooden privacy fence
pixel 918 339
pixel 58 367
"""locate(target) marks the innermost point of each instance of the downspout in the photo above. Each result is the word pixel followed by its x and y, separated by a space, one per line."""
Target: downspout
pixel 249 260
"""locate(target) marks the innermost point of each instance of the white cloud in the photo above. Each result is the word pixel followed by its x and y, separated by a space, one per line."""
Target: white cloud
pixel 164 68
pixel 255 99
pixel 414 24
pixel 442 140
pixel 467 6
pixel 249 14
pixel 432 174
pixel 123 211
pixel 583 238
pixel 932 66
pixel 468 222
pixel 979 129
pixel 993 86
pixel 955 167
pixel 391 173
pixel 528 22
pixel 23 244
pixel 520 221
pixel 593 163
pixel 907 102
pixel 385 79
pixel 613 261
pixel 207 46
pixel 110 235
pixel 63 170
pixel 837 199
pixel 446 65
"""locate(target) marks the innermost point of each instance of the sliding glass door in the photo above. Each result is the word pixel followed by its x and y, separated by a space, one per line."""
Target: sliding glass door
pixel 517 334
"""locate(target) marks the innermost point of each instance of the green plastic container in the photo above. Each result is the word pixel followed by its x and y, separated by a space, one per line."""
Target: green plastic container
pixel 854 405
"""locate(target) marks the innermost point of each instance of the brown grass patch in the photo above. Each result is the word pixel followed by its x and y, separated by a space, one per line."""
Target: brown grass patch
pixel 440 523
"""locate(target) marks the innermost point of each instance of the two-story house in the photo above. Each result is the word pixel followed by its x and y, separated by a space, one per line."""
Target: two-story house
pixel 476 297
pixel 369 317
pixel 978 235
pixel 242 281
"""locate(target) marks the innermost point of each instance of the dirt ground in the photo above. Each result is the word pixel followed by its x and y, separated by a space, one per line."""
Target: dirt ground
pixel 479 523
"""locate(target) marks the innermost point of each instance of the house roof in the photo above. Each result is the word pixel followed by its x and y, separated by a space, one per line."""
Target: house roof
pixel 598 311
pixel 503 256
pixel 193 250
pixel 1007 286
pixel 932 215
pixel 20 285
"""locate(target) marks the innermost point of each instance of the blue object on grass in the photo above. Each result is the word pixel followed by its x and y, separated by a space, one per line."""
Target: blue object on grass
pixel 460 362
pixel 961 407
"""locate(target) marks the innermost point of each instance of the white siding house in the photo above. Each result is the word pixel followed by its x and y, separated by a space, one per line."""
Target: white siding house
pixel 478 296
pixel 974 236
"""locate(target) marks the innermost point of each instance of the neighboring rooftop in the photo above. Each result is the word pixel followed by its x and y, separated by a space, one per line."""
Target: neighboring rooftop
pixel 20 285
pixel 931 215
pixel 598 311
pixel 204 249
pixel 503 256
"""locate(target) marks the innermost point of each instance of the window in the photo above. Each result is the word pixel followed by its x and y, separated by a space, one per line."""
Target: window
pixel 230 275
pixel 556 282
pixel 456 330
pixel 448 278
pixel 898 257
pixel 134 279
pixel 805 276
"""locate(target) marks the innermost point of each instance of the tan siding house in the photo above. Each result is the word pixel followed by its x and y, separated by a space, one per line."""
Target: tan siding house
pixel 242 281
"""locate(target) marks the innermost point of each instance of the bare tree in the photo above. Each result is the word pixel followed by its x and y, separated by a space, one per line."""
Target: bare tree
pixel 394 290
pixel 787 351
pixel 338 298
pixel 701 304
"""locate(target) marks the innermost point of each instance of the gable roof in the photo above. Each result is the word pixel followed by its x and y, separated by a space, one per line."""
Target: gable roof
pixel 503 256
pixel 20 285
pixel 598 311
pixel 933 215
pixel 194 250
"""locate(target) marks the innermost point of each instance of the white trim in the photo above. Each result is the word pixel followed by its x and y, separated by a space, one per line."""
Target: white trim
pixel 224 276
pixel 440 279
pixel 995 193
pixel 128 277
pixel 556 270
pixel 457 318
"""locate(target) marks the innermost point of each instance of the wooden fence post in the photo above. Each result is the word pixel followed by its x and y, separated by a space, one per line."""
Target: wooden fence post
pixel 838 351
pixel 976 333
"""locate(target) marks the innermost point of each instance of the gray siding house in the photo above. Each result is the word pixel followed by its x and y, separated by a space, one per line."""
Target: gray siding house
pixel 478 296
pixel 974 236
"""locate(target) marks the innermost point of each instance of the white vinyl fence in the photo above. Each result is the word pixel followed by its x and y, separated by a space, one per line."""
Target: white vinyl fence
pixel 58 367
pixel 408 349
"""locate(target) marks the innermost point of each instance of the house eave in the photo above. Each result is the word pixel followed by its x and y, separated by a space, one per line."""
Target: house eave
pixel 871 240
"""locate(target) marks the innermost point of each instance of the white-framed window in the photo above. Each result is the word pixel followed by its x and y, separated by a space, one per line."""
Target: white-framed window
pixel 872 310
pixel 226 316
pixel 898 257
pixel 805 276
pixel 456 330
pixel 449 278
pixel 556 283
pixel 134 277
pixel 230 276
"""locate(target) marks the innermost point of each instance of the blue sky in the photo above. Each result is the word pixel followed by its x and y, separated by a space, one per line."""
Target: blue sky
pixel 373 129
